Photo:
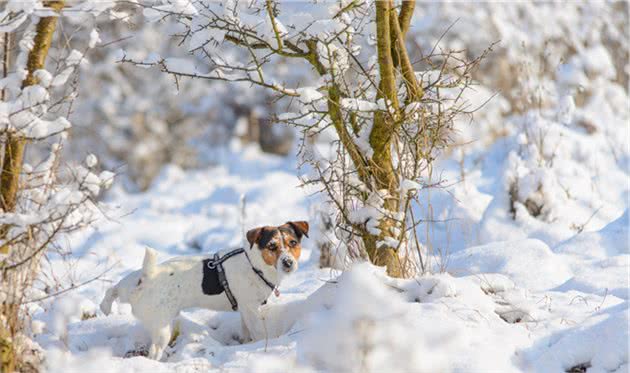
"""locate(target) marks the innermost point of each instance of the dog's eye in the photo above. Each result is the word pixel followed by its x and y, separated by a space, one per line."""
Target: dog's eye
pixel 293 243
pixel 272 246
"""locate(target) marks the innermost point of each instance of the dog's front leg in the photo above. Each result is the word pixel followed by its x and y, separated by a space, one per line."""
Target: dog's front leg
pixel 245 335
pixel 159 340
pixel 254 323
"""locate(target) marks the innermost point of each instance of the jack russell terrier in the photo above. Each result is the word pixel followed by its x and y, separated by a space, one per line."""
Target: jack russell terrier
pixel 240 279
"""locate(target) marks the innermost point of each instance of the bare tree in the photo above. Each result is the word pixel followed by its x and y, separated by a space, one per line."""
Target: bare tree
pixel 389 119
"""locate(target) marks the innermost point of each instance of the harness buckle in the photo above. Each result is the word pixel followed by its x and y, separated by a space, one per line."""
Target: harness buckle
pixel 212 264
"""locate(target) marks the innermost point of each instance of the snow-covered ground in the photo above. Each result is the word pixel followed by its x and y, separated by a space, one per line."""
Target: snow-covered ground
pixel 521 302
pixel 527 239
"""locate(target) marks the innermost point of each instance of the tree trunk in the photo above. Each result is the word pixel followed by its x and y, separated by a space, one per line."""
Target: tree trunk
pixel 381 166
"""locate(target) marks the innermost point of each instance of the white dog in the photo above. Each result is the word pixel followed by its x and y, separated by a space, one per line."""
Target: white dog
pixel 239 279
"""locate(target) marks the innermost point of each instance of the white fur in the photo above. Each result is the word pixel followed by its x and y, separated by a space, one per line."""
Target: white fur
pixel 158 292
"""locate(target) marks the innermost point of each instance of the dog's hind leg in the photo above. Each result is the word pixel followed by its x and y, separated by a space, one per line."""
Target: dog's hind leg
pixel 159 340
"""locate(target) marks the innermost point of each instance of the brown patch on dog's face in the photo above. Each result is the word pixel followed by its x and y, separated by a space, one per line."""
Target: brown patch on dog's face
pixel 273 242
pixel 292 234
pixel 268 241
pixel 270 256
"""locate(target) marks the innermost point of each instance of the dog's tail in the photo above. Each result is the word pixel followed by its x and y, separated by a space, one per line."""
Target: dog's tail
pixel 149 264
pixel 110 296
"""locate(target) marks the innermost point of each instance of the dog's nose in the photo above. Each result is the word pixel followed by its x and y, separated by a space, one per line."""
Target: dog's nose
pixel 287 262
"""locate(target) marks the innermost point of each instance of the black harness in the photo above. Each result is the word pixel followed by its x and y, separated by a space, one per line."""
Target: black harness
pixel 214 281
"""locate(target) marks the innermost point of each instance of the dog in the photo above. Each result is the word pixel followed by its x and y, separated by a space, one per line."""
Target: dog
pixel 241 279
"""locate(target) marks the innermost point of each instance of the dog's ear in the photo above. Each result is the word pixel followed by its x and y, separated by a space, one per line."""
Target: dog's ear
pixel 253 236
pixel 300 227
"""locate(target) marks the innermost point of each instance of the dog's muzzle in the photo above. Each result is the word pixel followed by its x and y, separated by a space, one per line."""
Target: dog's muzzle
pixel 288 264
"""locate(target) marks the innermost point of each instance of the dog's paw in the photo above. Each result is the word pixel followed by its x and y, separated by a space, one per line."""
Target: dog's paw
pixel 240 340
pixel 140 351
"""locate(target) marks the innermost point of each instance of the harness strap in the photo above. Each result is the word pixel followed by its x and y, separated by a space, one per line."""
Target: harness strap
pixel 262 277
pixel 223 280
pixel 216 263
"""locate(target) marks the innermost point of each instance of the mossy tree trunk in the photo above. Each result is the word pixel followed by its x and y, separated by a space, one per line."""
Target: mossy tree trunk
pixel 379 170
pixel 392 54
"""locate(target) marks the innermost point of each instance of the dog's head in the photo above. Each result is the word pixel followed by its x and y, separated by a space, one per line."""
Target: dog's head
pixel 279 246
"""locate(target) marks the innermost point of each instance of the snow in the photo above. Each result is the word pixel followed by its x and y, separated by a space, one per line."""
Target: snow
pixel 408 185
pixel 94 38
pixel 91 160
pixel 599 341
pixel 75 58
pixel 505 306
pixel 530 263
pixel 44 77
pixel 608 255
pixel 366 325
pixel 597 61
pixel 370 213
pixel 363 140
pixel 35 128
pixel 525 237
pixel 355 104
pixel 61 78
pixel 34 95
pixel 309 95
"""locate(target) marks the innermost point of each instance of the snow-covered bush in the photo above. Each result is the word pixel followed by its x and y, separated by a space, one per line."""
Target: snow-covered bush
pixel 555 111
pixel 42 199
pixel 552 184
pixel 536 44
pixel 553 173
